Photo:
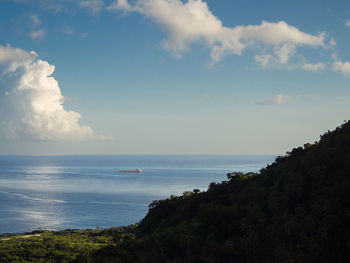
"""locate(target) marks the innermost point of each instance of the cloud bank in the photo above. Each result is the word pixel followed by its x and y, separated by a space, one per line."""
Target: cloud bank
pixel 192 21
pixel 31 103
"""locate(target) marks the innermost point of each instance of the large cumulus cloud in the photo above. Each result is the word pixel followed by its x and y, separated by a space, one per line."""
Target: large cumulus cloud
pixel 31 103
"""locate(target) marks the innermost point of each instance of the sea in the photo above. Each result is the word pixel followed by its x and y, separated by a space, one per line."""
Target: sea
pixel 79 192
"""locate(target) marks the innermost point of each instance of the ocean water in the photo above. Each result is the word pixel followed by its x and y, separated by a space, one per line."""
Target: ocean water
pixel 78 192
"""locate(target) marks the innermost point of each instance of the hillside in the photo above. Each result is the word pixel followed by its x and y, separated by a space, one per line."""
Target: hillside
pixel 294 210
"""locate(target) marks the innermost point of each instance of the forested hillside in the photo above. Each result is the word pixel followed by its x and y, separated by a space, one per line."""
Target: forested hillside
pixel 294 210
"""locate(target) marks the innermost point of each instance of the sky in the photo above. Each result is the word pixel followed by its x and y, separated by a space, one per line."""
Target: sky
pixel 171 76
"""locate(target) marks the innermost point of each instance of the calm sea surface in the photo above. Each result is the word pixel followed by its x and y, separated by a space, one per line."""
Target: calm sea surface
pixel 88 191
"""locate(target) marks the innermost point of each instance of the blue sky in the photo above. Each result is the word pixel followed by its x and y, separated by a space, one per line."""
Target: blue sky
pixel 171 77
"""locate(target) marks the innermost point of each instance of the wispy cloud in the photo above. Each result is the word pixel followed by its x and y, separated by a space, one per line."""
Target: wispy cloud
pixel 347 23
pixel 314 67
pixel 278 99
pixel 84 35
pixel 122 5
pixel 307 96
pixel 263 60
pixel 192 21
pixel 206 98
pixel 332 42
pixel 35 20
pixel 343 67
pixel 56 7
pixel 37 34
pixel 94 6
pixel 68 30
pixel 279 57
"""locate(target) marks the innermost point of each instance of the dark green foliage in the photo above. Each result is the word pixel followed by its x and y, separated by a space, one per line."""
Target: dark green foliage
pixel 294 210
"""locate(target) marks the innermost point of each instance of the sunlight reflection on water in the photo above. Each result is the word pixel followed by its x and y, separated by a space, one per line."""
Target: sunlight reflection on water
pixel 84 191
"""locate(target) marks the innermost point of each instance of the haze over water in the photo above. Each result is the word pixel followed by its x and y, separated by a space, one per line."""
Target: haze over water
pixel 80 192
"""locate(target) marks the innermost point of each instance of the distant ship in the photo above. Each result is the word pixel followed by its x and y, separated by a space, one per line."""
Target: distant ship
pixel 137 170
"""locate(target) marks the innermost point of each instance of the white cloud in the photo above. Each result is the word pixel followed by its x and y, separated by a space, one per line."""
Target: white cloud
pixel 332 42
pixel 285 52
pixel 278 99
pixel 9 54
pixel 84 35
pixel 192 21
pixel 121 5
pixel 37 34
pixel 347 23
pixel 280 56
pixel 31 103
pixel 263 60
pixel 343 67
pixel 334 56
pixel 67 30
pixel 94 6
pixel 314 67
pixel 35 19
